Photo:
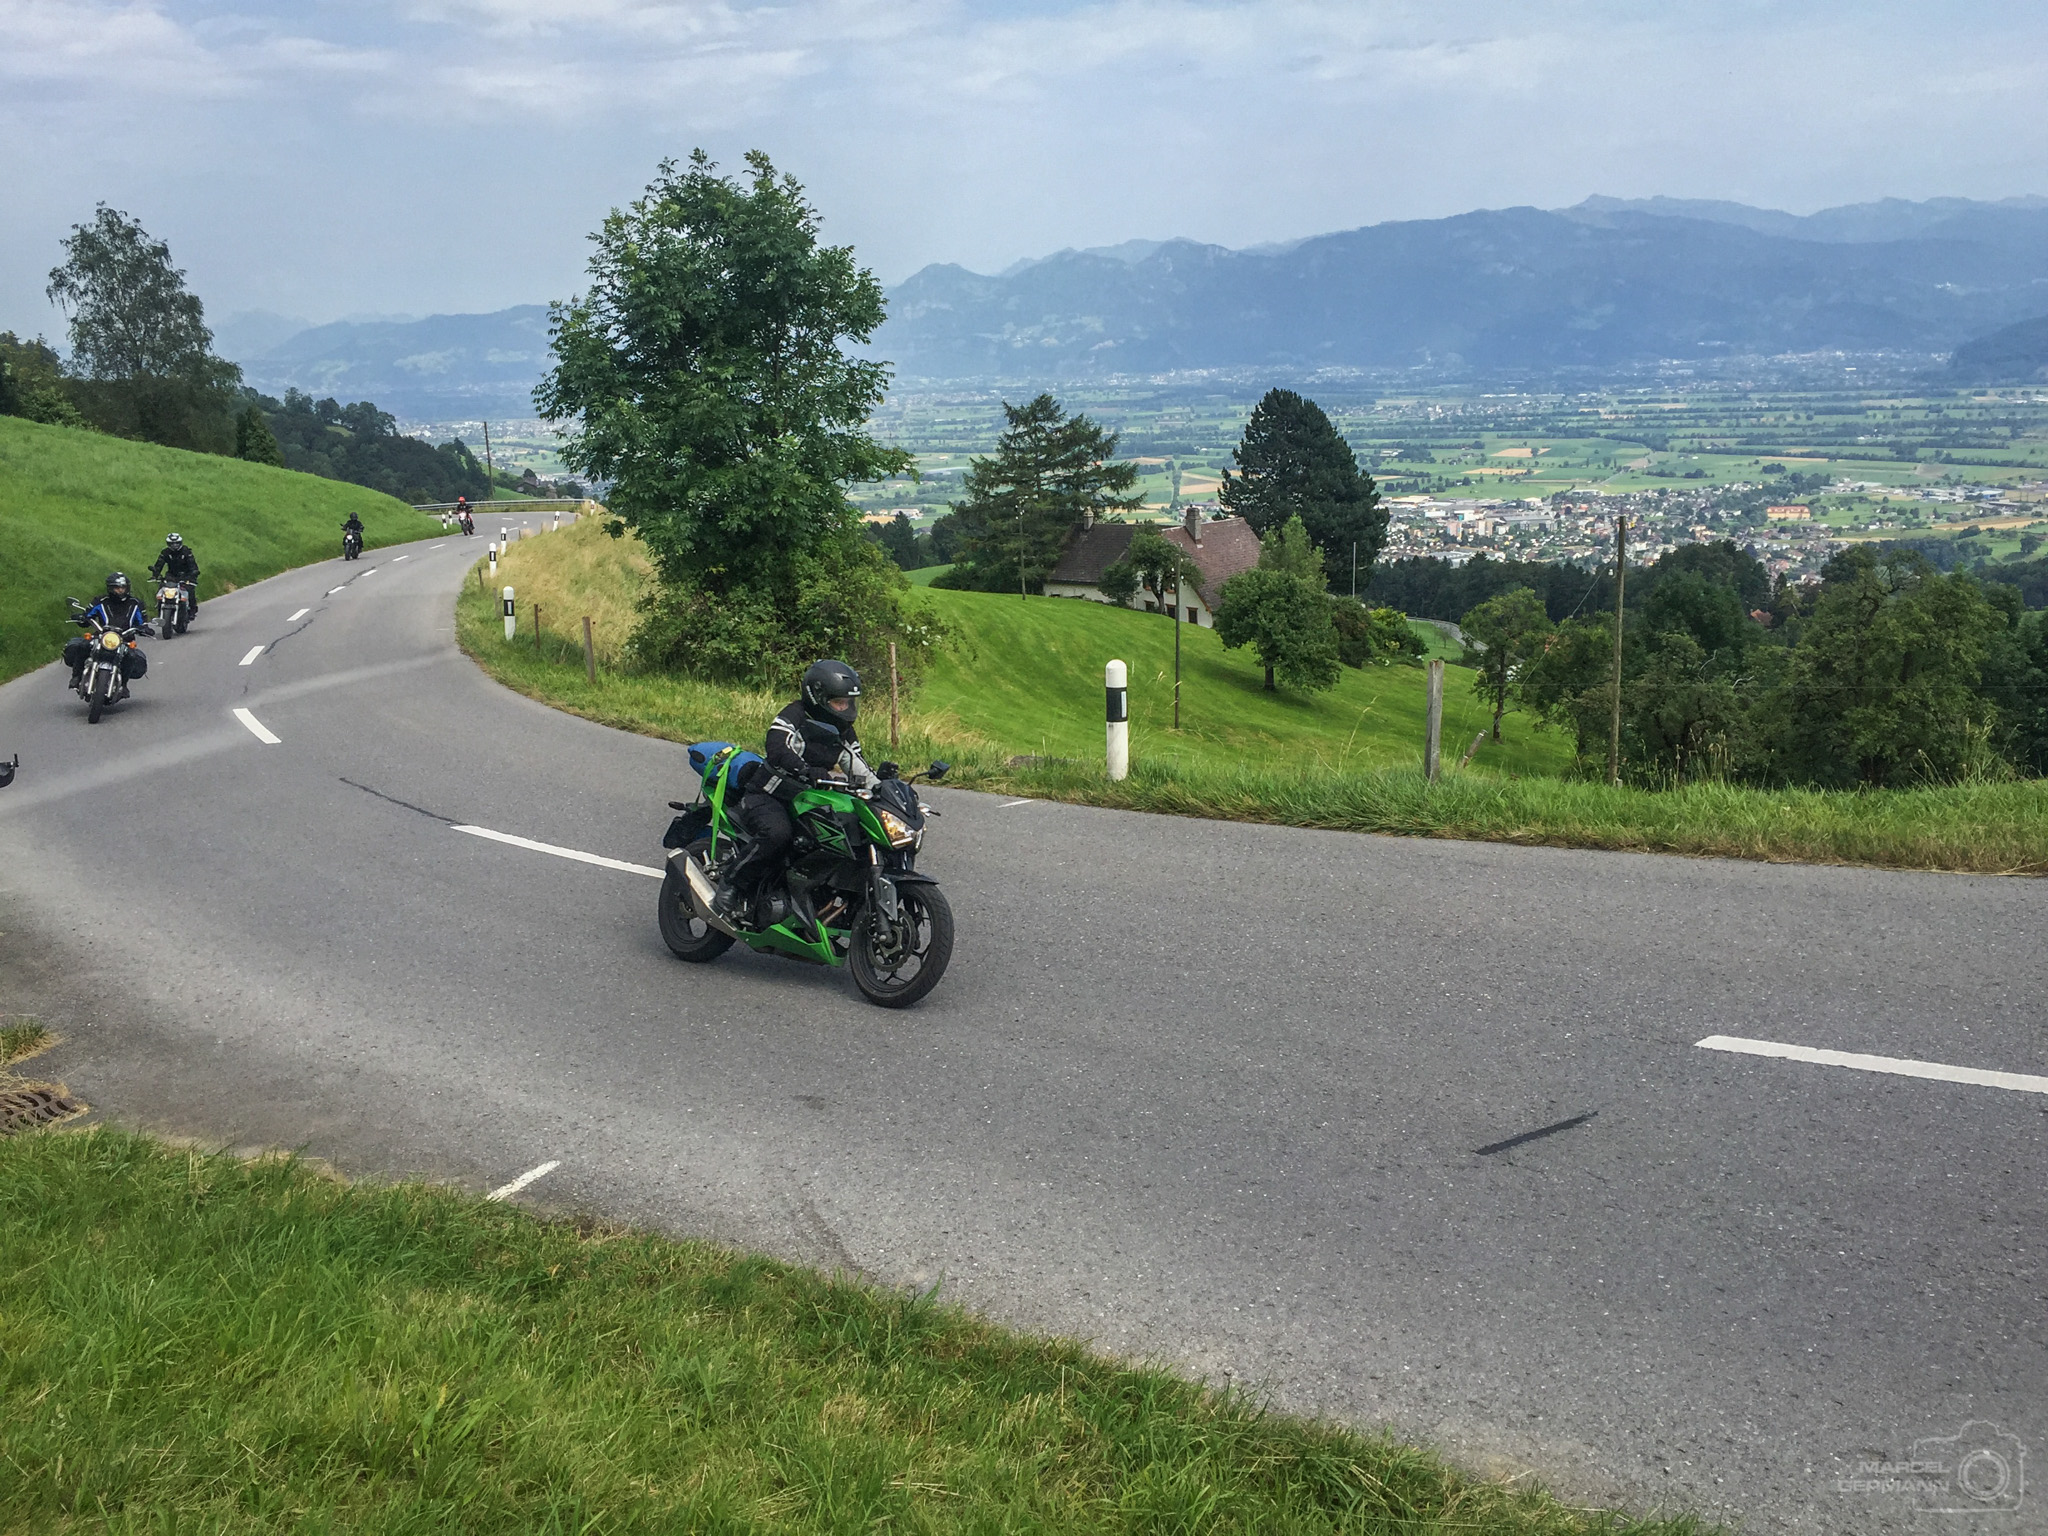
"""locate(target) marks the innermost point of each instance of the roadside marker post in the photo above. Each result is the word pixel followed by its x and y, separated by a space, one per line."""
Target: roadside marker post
pixel 494 561
pixel 1117 712
pixel 509 619
pixel 1432 743
pixel 589 653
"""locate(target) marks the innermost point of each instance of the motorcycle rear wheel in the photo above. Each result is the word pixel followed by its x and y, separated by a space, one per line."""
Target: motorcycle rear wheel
pixel 896 965
pixel 683 927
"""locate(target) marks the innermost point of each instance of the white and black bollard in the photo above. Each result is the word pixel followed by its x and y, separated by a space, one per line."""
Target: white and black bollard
pixel 1117 711
pixel 494 559
pixel 510 620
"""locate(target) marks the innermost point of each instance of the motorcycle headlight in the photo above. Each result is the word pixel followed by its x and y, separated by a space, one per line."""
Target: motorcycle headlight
pixel 110 641
pixel 901 833
pixel 166 594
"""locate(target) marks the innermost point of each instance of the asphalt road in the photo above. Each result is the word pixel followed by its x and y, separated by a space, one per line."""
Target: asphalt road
pixel 1201 1092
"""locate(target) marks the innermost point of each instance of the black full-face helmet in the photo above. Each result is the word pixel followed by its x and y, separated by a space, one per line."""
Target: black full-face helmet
pixel 117 584
pixel 832 692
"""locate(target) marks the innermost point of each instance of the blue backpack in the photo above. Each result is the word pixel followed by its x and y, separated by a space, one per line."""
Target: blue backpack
pixel 730 763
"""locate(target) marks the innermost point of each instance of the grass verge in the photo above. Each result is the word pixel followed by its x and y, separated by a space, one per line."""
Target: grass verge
pixel 1253 771
pixel 75 505
pixel 194 1342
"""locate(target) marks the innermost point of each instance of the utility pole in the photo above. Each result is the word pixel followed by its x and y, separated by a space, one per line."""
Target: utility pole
pixel 1021 593
pixel 1620 576
pixel 490 468
pixel 1354 570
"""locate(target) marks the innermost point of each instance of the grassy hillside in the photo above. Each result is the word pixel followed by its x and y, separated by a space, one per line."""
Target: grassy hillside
pixel 1025 678
pixel 1028 674
pixel 1028 681
pixel 75 505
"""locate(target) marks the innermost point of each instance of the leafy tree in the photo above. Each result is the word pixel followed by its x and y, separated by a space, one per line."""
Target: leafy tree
pixel 1048 473
pixel 139 338
pixel 1882 688
pixel 1161 565
pixel 1286 621
pixel 1281 610
pixel 1681 711
pixel 254 440
pixel 1120 582
pixel 1292 463
pixel 711 369
pixel 1510 631
pixel 1710 614
pixel 32 383
pixel 2015 680
pixel 1567 682
pixel 1371 636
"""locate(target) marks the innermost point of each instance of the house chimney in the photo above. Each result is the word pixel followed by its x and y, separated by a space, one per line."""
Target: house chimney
pixel 1194 525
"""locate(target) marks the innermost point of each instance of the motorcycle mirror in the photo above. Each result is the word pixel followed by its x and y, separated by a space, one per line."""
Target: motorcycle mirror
pixel 7 771
pixel 938 770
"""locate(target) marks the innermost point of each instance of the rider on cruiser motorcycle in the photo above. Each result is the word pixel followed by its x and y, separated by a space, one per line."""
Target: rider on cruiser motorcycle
pixel 179 564
pixel 807 738
pixel 117 610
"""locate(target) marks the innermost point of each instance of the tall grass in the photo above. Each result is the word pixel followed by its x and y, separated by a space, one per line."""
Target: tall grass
pixel 198 1343
pixel 1990 828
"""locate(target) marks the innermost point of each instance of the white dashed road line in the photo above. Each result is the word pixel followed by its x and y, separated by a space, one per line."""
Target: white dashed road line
pixel 256 728
pixel 401 557
pixel 372 571
pixel 1899 1066
pixel 1008 803
pixel 332 590
pixel 254 652
pixel 432 547
pixel 506 1191
pixel 298 616
pixel 562 853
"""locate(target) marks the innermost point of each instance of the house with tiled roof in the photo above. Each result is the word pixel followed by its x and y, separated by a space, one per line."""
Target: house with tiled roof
pixel 1220 549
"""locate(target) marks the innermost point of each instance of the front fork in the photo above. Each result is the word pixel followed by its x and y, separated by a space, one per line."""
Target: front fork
pixel 881 889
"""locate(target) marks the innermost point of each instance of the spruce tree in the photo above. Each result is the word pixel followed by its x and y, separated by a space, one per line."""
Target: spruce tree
pixel 254 440
pixel 1049 471
pixel 1292 463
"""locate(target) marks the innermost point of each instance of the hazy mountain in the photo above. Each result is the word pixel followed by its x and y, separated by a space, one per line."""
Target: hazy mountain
pixel 252 332
pixel 442 367
pixel 1516 291
pixel 1519 293
pixel 2015 354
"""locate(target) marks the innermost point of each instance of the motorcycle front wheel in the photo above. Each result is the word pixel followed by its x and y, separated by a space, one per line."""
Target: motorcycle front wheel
pixel 683 927
pixel 895 964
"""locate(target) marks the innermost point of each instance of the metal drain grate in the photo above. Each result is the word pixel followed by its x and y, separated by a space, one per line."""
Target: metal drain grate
pixel 25 1107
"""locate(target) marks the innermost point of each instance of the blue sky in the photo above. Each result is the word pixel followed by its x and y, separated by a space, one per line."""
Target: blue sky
pixel 329 157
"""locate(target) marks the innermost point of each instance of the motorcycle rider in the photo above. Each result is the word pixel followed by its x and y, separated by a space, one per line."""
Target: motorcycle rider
pixel 118 610
pixel 179 563
pixel 353 525
pixel 462 514
pixel 807 738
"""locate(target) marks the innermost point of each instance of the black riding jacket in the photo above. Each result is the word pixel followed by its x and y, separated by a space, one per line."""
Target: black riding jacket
pixel 177 562
pixel 795 755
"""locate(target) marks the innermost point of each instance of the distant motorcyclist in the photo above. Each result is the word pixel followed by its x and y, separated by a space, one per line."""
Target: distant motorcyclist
pixel 354 525
pixel 178 563
pixel 462 515
pixel 807 738
pixel 351 536
pixel 118 611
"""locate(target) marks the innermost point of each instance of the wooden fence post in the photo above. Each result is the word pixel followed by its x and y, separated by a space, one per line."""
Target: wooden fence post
pixel 589 653
pixel 894 709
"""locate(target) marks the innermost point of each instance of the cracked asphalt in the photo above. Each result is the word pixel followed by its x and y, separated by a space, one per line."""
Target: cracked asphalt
pixel 1202 1092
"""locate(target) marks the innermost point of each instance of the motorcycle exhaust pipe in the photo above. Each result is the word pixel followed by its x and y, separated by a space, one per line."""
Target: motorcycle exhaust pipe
pixel 702 891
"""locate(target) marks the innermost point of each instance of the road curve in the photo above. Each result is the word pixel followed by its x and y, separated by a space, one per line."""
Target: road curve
pixel 1210 1093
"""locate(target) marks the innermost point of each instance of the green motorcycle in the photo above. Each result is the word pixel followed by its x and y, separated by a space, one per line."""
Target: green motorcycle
pixel 852 894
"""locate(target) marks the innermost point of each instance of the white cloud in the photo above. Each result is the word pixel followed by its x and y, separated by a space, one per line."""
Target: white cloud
pixel 944 129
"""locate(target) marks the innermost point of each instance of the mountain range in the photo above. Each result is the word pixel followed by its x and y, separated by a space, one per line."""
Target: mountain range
pixel 1521 294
